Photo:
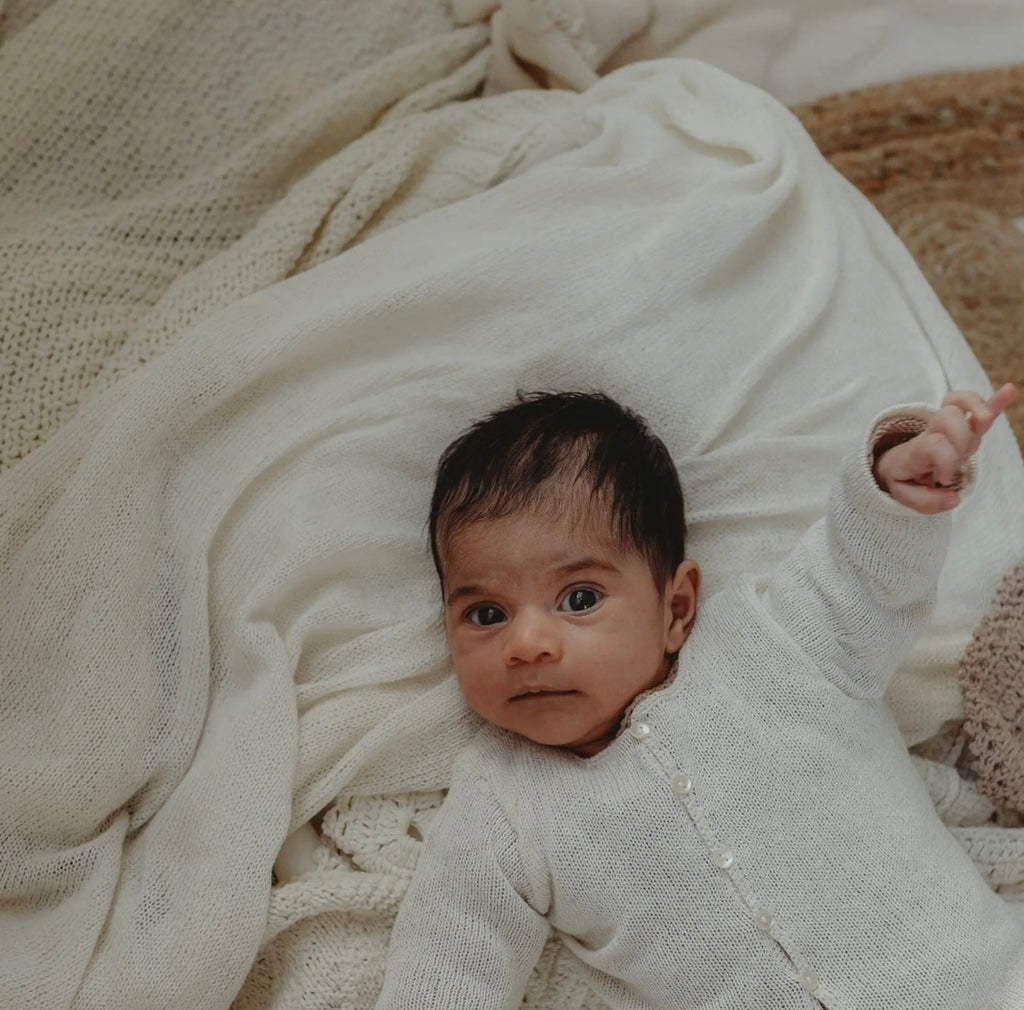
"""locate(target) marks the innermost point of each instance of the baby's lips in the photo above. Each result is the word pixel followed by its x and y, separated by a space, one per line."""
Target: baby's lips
pixel 533 692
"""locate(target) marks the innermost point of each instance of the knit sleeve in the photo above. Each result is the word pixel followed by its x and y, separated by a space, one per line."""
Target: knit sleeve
pixel 859 588
pixel 466 937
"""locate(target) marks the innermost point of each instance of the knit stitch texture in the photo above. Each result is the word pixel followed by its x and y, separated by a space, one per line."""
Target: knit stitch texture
pixel 992 674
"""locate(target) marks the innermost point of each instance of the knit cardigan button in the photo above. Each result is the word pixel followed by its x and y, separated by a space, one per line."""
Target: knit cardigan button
pixel 640 730
pixel 682 785
pixel 809 980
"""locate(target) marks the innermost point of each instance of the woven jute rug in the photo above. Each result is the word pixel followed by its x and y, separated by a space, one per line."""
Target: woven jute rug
pixel 942 158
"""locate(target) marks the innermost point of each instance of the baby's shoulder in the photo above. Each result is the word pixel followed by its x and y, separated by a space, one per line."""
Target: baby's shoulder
pixel 492 754
pixel 505 765
pixel 487 781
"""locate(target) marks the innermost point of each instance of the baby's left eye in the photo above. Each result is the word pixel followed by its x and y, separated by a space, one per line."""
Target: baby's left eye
pixel 579 600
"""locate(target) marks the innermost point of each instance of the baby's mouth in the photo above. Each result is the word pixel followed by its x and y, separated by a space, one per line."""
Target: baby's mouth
pixel 539 692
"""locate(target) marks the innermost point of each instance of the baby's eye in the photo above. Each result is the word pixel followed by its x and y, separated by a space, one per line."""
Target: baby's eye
pixel 579 600
pixel 485 614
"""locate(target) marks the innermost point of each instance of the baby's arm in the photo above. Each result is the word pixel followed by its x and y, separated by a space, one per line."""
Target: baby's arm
pixel 858 589
pixel 465 937
pixel 922 472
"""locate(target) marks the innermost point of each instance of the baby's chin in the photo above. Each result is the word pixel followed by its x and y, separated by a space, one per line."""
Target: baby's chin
pixel 584 743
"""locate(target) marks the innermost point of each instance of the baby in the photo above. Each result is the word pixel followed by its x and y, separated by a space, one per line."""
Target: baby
pixel 713 812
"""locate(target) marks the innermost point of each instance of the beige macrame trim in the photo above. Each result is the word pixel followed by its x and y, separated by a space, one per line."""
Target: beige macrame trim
pixel 992 678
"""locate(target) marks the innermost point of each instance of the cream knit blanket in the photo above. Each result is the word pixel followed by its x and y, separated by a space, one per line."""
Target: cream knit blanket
pixel 219 612
pixel 162 159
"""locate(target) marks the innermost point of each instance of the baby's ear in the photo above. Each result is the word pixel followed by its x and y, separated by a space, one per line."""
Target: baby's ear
pixel 681 604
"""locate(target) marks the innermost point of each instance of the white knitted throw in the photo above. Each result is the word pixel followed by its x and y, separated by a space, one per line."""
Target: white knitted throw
pixel 219 613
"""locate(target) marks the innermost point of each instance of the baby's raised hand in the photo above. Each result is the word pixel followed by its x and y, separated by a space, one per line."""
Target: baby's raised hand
pixel 918 472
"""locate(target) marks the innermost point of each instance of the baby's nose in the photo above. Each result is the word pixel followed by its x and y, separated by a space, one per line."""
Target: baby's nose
pixel 532 636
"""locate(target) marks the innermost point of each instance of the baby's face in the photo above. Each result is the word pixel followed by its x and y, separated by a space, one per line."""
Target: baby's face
pixel 554 628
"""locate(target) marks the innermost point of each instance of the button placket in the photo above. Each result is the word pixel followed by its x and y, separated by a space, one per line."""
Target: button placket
pixel 724 858
pixel 640 730
pixel 808 979
pixel 765 920
pixel 722 855
pixel 682 784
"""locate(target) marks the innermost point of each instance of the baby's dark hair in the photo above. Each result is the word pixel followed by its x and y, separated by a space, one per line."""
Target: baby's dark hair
pixel 502 463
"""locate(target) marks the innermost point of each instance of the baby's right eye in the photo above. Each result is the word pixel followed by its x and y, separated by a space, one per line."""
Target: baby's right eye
pixel 484 615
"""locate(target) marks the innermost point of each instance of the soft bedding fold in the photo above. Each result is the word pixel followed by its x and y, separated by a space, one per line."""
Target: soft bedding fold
pixel 796 49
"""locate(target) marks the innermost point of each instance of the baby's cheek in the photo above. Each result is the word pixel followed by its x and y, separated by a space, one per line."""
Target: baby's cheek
pixel 473 681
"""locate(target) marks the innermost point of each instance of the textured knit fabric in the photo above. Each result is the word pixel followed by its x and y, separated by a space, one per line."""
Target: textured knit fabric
pixel 755 838
pixel 992 674
pixel 219 612
pixel 163 159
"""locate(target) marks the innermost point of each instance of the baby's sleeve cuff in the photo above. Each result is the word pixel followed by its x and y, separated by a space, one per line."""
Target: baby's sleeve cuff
pixel 900 424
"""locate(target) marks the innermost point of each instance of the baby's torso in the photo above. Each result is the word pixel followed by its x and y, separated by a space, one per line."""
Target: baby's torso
pixel 755 838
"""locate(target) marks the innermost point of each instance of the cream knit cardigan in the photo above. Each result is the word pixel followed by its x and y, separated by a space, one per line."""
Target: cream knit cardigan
pixel 756 837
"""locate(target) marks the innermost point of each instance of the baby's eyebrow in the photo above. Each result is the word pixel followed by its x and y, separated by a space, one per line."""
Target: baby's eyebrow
pixel 585 564
pixel 461 592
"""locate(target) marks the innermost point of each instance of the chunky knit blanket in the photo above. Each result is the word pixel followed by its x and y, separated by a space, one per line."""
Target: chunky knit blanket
pixel 992 673
pixel 219 616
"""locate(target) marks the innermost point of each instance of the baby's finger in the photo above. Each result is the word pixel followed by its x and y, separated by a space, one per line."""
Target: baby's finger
pixel 966 399
pixel 937 456
pixel 1001 399
pixel 952 424
pixel 926 500
pixel 982 413
pixel 976 415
